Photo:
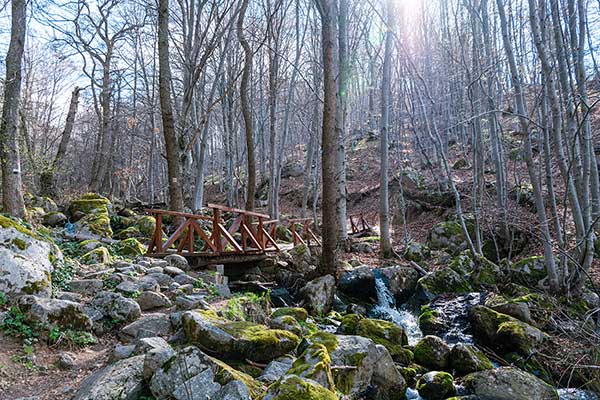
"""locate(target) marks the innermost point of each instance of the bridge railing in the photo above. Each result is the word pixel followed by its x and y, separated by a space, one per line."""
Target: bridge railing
pixel 301 232
pixel 249 233
pixel 358 223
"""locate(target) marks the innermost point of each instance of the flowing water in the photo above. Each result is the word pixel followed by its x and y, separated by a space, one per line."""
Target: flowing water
pixel 454 313
pixel 386 309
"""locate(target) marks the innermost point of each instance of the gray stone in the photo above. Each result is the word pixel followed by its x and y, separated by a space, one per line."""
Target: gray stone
pixel 162 279
pixel 116 306
pixel 191 301
pixel 63 313
pixel 66 361
pixel 234 390
pixel 155 358
pixel 276 369
pixel 173 271
pixel 507 383
pixel 318 295
pixel 155 270
pixel 175 260
pixel 54 219
pixel 122 380
pixel 151 300
pixel 121 352
pixel 86 286
pixel 148 326
pixel 144 345
pixel 184 279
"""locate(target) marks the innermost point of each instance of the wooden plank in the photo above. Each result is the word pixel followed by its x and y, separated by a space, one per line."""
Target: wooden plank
pixel 229 238
pixel 178 214
pixel 203 236
pixel 269 238
pixel 237 211
pixel 176 234
pixel 252 238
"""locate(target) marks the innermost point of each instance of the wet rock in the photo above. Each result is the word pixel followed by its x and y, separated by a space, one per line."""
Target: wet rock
pixel 358 283
pixel 121 380
pixel 26 261
pixel 148 326
pixel 448 316
pixel 152 300
pixel 401 281
pixel 54 312
pixel 436 385
pixel 507 383
pixel 318 295
pixel 116 306
pixel 465 359
pixel 433 353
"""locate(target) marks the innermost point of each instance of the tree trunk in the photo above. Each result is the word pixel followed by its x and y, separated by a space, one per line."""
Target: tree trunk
pixel 12 190
pixel 329 137
pixel 246 112
pixel 173 166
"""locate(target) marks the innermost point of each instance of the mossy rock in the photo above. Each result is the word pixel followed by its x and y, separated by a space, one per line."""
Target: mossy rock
pixel 417 252
pixel 480 271
pixel 128 233
pixel 293 387
pixel 448 236
pixel 503 331
pixel 432 352
pixel 529 271
pixel 7 222
pixel 461 163
pixel 314 363
pixel 146 224
pixel 441 281
pixel 131 248
pixel 95 224
pixel 288 323
pixel 465 359
pixel 90 203
pixel 349 324
pixel 385 333
pixel 329 340
pixel 283 233
pixel 429 321
pixel 259 343
pixel 530 364
pixel 99 255
pixel 436 385
pixel 299 313
pixel 225 374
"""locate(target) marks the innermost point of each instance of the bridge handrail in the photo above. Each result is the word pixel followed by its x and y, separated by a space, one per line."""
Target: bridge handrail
pixel 237 210
pixel 178 214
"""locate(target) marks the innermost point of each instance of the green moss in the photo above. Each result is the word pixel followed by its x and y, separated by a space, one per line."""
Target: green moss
pixel 329 340
pixel 436 385
pixel 131 247
pixel 432 352
pixel 385 333
pixel 7 222
pixel 99 255
pixel 531 365
pixel 515 333
pixel 131 232
pixel 293 387
pixel 226 374
pixel 349 324
pixel 444 280
pixel 20 244
pixel 314 363
pixel 146 224
pixel 257 342
pixel 298 313
pixel 429 320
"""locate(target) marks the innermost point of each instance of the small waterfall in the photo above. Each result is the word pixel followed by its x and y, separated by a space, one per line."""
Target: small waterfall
pixel 576 394
pixel 386 309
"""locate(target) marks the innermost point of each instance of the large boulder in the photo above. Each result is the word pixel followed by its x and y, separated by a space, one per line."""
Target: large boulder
pixel 318 295
pixel 360 364
pixel 54 312
pixel 26 260
pixel 432 352
pixel 436 385
pixel 358 283
pixel 92 214
pixel 503 331
pixel 448 236
pixel 444 280
pixel 122 380
pixel 466 358
pixel 192 374
pixel 508 383
pixel 237 339
pixel 314 363
pixel 401 281
pixel 529 271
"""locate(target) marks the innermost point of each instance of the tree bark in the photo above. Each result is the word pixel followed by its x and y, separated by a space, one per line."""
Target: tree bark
pixel 164 72
pixel 12 190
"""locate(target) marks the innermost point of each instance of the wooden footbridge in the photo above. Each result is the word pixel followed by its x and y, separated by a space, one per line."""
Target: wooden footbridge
pixel 250 235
